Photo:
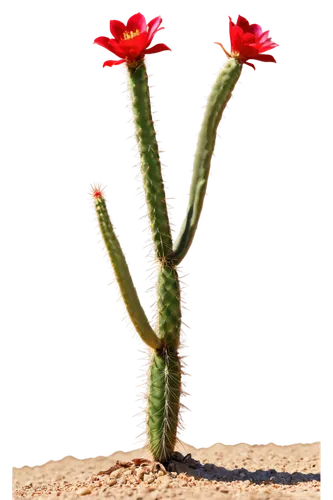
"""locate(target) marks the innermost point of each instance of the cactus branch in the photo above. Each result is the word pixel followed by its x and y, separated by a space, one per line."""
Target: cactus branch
pixel 217 101
pixel 122 274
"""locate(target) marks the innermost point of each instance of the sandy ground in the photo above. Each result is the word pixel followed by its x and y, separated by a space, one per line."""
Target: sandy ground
pixel 241 472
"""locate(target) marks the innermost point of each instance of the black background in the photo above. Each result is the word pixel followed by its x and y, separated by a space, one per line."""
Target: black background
pixel 254 312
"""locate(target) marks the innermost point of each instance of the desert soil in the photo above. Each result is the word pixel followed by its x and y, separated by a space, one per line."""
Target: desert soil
pixel 259 472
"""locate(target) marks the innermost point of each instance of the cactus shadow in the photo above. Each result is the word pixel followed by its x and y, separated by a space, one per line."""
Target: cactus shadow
pixel 186 464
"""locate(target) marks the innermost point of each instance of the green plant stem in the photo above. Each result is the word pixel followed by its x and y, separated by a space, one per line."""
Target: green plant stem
pixel 150 161
pixel 163 403
pixel 169 307
pixel 124 278
pixel 165 370
pixel 217 101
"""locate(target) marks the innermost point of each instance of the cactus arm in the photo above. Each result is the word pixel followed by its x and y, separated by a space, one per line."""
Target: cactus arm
pixel 123 276
pixel 217 101
pixel 150 161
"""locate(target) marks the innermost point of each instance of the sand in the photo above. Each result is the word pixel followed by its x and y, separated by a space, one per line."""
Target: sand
pixel 225 472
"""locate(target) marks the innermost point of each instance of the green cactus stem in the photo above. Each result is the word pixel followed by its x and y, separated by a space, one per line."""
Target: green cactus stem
pixel 122 274
pixel 150 161
pixel 217 101
pixel 163 402
pixel 169 310
pixel 165 369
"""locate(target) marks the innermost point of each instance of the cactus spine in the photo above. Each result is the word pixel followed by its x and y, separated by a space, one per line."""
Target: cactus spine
pixel 164 388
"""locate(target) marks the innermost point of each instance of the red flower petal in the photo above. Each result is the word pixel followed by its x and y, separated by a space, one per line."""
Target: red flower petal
pixel 243 23
pixel 249 38
pixel 153 28
pixel 255 29
pixel 252 64
pixel 137 22
pixel 157 48
pixel 117 29
pixel 236 38
pixel 103 41
pixel 117 47
pixel 264 58
pixel 268 46
pixel 111 63
pixel 132 47
pixel 263 37
pixel 248 52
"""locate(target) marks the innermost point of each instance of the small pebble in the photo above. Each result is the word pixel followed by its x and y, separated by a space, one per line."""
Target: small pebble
pixel 117 473
pixel 140 474
pixel 83 491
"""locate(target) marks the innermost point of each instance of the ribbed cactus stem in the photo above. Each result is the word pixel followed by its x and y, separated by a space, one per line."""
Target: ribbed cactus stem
pixel 169 310
pixel 150 161
pixel 165 369
pixel 217 101
pixel 163 402
pixel 123 276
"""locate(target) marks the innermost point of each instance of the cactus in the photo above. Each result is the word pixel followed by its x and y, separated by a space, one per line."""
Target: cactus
pixel 131 43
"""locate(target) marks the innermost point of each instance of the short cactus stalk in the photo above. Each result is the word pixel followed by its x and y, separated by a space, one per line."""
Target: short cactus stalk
pixel 131 43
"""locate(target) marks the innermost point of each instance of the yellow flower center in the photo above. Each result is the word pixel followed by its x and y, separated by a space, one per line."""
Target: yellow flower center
pixel 127 35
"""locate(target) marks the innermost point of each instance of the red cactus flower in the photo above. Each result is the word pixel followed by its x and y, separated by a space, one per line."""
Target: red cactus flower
pixel 130 42
pixel 248 41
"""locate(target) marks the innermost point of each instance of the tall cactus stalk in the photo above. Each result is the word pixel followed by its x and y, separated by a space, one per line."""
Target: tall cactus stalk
pixel 131 42
pixel 165 370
